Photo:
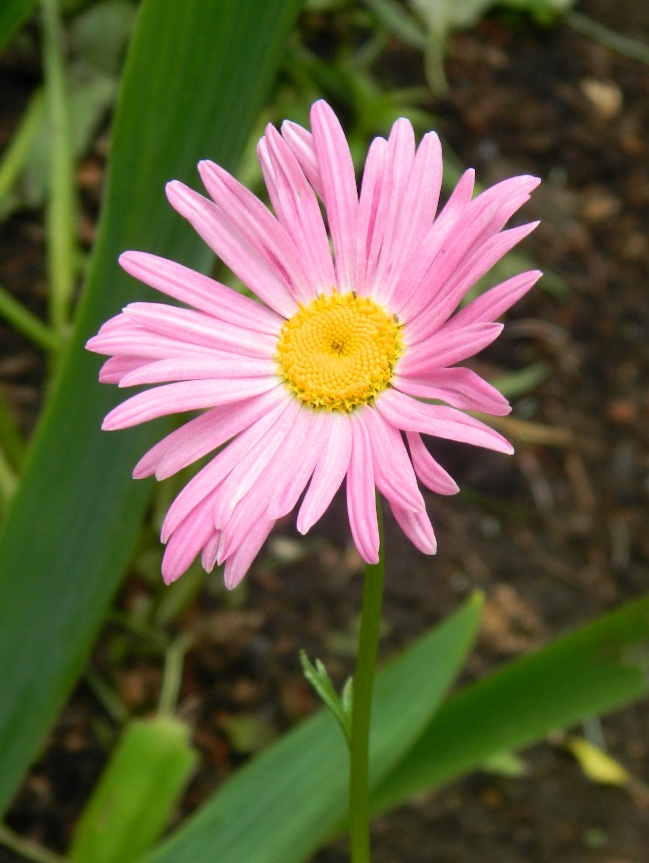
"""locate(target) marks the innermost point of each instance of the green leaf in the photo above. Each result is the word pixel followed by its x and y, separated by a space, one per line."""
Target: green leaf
pixel 288 801
pixel 12 14
pixel 596 668
pixel 194 82
pixel 147 772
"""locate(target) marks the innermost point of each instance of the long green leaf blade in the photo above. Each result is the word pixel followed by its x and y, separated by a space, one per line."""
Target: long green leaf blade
pixel 287 802
pixel 194 82
pixel 597 668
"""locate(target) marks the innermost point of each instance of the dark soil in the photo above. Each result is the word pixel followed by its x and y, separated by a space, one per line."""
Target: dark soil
pixel 554 535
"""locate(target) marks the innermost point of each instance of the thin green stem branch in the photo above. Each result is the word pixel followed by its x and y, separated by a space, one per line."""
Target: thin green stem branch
pixel 61 230
pixel 616 41
pixel 15 155
pixel 359 810
pixel 27 323
pixel 26 848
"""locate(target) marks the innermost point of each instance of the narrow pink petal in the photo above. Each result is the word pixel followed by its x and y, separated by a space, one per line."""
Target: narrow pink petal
pixel 208 556
pixel 203 434
pixel 184 396
pixel 239 563
pixel 446 348
pixel 372 214
pixel 268 173
pixel 258 226
pixel 409 414
pixel 478 265
pixel 393 472
pixel 417 527
pixel 458 387
pixel 429 471
pixel 494 302
pixel 415 215
pixel 329 472
pixel 312 435
pixel 340 195
pixel 212 475
pixel 199 329
pixel 361 496
pixel 421 259
pixel 201 292
pixel 199 367
pixel 251 467
pixel 114 369
pixel 301 143
pixel 187 540
pixel 300 214
pixel 233 249
pixel 129 339
pixel 400 159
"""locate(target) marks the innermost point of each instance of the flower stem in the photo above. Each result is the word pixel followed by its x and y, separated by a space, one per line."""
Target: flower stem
pixel 359 808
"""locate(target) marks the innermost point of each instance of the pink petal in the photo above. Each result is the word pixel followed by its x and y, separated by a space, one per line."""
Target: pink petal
pixel 417 527
pixel 428 470
pixel 400 159
pixel 393 472
pixel 409 414
pixel 204 434
pixel 114 369
pixel 129 339
pixel 185 396
pixel 445 349
pixel 340 195
pixel 329 472
pixel 208 557
pixel 255 222
pixel 239 563
pixel 494 302
pixel 361 497
pixel 199 329
pixel 372 213
pixel 201 292
pixel 312 435
pixel 299 212
pixel 198 368
pixel 301 143
pixel 234 250
pixel 458 387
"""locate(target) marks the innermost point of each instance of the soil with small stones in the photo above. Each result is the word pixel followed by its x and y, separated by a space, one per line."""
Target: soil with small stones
pixel 553 536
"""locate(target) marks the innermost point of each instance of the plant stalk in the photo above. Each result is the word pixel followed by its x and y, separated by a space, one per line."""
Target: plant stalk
pixel 359 809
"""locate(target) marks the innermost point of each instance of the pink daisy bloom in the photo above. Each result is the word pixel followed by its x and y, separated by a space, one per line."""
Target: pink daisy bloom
pixel 345 352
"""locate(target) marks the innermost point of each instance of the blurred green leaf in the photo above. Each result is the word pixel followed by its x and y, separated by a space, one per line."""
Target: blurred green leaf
pixel 289 800
pixel 596 668
pixel 194 82
pixel 136 794
pixel 12 14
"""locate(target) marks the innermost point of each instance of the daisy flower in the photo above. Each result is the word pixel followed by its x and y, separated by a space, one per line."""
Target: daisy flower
pixel 341 367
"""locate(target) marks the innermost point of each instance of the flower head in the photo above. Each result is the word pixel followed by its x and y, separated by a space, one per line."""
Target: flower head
pixel 317 382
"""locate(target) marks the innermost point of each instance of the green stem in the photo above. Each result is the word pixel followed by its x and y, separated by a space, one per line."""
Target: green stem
pixel 61 230
pixel 27 323
pixel 359 809
pixel 15 156
pixel 26 848
pixel 617 41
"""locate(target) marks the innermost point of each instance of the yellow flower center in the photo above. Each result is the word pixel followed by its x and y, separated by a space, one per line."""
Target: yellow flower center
pixel 339 352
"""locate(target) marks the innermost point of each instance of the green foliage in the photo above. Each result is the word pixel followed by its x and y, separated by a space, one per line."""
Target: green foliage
pixel 138 790
pixel 12 13
pixel 68 534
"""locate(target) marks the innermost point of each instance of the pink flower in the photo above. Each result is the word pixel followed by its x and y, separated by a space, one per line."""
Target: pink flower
pixel 317 381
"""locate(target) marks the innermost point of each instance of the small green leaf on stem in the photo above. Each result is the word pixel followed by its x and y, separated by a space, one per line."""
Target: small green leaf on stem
pixel 340 707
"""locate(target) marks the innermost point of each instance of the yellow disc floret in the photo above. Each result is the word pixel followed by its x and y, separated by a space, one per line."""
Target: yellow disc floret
pixel 339 352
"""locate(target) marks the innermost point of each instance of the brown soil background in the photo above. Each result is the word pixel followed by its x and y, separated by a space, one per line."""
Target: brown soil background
pixel 554 535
